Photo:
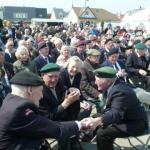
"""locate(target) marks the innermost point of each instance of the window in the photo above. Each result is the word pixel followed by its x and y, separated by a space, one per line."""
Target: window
pixel 20 15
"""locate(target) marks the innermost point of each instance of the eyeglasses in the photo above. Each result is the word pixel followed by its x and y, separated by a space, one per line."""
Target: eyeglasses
pixel 11 45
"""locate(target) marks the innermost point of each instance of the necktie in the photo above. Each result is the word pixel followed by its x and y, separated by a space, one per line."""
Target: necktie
pixel 46 59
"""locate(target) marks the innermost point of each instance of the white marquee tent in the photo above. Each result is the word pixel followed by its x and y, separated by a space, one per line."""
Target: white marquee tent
pixel 141 19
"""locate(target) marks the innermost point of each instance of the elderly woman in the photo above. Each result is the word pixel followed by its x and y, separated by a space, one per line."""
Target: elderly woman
pixel 64 56
pixel 71 77
pixel 23 62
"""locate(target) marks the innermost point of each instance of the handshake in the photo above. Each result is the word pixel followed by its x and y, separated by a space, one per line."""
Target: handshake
pixel 90 123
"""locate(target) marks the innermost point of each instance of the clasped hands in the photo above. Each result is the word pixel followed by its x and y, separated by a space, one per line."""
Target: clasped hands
pixel 90 123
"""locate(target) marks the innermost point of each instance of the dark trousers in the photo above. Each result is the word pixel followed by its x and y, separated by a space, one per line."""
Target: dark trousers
pixel 106 137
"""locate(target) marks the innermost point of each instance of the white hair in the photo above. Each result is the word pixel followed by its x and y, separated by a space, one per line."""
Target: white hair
pixel 21 49
pixel 64 47
pixel 75 59
pixel 19 90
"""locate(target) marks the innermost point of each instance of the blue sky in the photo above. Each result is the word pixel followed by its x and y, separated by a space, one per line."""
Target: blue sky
pixel 115 6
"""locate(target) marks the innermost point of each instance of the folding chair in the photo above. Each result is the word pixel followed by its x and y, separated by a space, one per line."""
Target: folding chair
pixel 144 145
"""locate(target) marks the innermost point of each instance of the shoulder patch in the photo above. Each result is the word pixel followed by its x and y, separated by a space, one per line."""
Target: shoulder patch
pixel 28 112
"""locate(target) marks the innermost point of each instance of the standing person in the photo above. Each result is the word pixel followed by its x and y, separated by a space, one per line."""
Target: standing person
pixel 21 127
pixel 123 115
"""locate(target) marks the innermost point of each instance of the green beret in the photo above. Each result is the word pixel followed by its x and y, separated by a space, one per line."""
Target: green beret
pixel 105 72
pixel 93 52
pixel 50 68
pixel 140 46
pixel 26 78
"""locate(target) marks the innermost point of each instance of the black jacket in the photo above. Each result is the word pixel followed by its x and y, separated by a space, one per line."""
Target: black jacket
pixel 124 110
pixel 22 128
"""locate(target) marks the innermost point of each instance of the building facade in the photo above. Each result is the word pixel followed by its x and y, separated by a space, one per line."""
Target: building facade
pixel 22 13
pixel 82 14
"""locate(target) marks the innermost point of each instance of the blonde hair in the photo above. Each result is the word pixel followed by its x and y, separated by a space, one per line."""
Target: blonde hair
pixel 22 43
pixel 21 49
pixel 58 41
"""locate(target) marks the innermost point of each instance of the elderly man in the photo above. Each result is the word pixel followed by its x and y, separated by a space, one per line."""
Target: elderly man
pixel 137 66
pixel 21 127
pixel 58 103
pixel 87 85
pixel 123 115
pixel 44 57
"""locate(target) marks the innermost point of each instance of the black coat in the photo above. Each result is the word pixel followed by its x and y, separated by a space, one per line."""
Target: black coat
pixel 66 80
pixel 124 110
pixel 22 128
pixel 134 63
pixel 55 53
pixel 51 107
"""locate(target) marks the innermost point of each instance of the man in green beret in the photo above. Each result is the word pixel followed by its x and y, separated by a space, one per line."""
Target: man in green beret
pixel 57 103
pixel 123 115
pixel 22 127
pixel 137 66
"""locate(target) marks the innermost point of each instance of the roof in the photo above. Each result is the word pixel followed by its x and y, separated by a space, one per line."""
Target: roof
pixel 60 13
pixel 100 14
pixel 134 11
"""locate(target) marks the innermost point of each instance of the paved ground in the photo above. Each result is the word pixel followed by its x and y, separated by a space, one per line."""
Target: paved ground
pixel 123 142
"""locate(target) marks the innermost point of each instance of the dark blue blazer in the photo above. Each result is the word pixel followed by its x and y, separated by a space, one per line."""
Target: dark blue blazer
pixel 51 107
pixel 108 63
pixel 40 62
pixel 124 110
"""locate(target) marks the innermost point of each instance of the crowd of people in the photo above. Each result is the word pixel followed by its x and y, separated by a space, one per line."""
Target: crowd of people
pixel 52 76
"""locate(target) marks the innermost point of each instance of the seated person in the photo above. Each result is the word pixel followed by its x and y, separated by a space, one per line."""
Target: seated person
pixel 22 127
pixel 123 115
pixel 113 61
pixel 58 103
pixel 88 87
pixel 71 77
pixel 137 66
pixel 23 61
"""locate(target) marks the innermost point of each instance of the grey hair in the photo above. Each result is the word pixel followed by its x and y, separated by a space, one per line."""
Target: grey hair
pixel 19 90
